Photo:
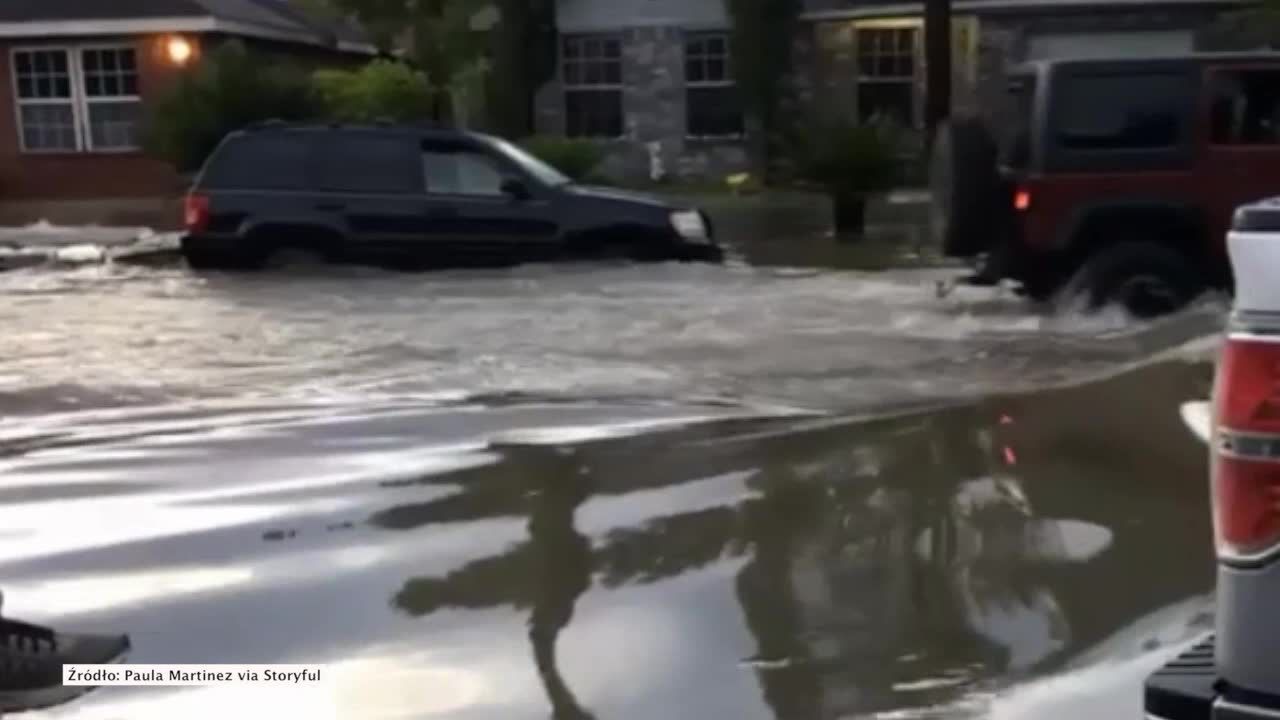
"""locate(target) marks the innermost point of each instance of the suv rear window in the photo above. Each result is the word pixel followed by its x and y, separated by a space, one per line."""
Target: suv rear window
pixel 371 162
pixel 1121 111
pixel 267 161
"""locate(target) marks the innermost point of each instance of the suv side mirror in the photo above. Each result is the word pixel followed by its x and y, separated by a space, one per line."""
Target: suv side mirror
pixel 515 189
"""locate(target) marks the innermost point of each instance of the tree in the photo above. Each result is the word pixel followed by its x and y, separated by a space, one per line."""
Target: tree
pixel 1252 28
pixel 523 46
pixel 937 38
pixel 761 45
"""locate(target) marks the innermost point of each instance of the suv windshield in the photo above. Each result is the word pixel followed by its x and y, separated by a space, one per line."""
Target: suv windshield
pixel 544 173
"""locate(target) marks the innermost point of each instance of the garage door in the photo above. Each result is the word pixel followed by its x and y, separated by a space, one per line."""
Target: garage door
pixel 1095 45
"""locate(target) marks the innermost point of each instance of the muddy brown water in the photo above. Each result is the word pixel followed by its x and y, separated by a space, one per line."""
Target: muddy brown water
pixel 612 492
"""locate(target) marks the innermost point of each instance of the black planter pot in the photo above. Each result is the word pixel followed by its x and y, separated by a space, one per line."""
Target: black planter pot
pixel 850 215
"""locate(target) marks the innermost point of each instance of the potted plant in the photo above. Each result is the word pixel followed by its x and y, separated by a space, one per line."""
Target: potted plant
pixel 853 163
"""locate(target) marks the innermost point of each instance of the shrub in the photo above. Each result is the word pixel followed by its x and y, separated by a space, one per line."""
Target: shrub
pixel 381 90
pixel 230 89
pixel 576 158
pixel 851 160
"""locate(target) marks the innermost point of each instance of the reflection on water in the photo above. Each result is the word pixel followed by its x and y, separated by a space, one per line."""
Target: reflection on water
pixel 792 568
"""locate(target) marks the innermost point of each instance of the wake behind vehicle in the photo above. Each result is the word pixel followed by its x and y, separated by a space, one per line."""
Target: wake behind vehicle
pixel 410 196
pixel 1116 179
pixel 1236 674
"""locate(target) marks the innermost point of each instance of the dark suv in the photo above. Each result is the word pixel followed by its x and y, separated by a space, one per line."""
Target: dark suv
pixel 1113 179
pixel 412 196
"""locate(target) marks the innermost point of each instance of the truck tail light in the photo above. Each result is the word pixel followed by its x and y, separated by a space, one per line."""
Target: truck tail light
pixel 1022 199
pixel 195 213
pixel 1246 448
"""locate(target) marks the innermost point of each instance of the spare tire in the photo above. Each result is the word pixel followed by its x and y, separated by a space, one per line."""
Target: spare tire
pixel 965 188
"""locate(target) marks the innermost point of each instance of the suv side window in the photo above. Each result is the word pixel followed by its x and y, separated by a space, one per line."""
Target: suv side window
pixel 369 163
pixel 460 170
pixel 1122 111
pixel 1246 107
pixel 260 161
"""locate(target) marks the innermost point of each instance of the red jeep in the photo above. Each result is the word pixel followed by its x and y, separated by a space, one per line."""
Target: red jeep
pixel 1116 179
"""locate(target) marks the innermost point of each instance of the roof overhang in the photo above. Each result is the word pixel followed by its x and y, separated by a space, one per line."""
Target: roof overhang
pixel 891 9
pixel 149 26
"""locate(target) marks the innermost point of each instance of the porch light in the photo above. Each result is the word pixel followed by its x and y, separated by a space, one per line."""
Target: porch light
pixel 179 50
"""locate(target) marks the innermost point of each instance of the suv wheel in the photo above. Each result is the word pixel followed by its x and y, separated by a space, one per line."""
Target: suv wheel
pixel 1146 279
pixel 201 255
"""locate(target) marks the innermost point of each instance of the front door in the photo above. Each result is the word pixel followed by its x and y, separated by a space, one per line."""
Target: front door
pixel 1242 153
pixel 474 219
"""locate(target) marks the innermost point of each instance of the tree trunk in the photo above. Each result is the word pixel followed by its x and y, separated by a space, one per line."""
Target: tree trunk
pixel 937 39
pixel 850 216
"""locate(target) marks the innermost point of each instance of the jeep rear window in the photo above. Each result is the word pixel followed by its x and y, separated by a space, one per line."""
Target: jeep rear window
pixel 275 161
pixel 1022 94
pixel 1121 111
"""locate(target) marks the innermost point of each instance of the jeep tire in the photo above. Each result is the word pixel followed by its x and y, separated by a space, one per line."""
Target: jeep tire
pixel 965 188
pixel 1145 278
pixel 202 254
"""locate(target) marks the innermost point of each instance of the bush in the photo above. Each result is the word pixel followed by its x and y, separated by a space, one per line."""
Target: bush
pixel 230 89
pixel 381 90
pixel 576 158
pixel 854 160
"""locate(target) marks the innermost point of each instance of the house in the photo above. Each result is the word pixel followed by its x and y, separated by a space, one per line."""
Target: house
pixel 79 74
pixel 654 78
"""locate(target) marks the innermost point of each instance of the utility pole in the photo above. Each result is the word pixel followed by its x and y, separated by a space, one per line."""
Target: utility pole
pixel 937 60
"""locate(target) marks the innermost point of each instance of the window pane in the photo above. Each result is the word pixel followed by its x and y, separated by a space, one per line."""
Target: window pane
pixel 1122 111
pixel 23 62
pixel 592 48
pixel 91 62
pixel 867 66
pixel 594 74
pixel 114 126
pixel 594 113
pixel 714 112
pixel 572 73
pixel 370 163
pixel 695 47
pixel 613 73
pixel 44 86
pixel 128 61
pixel 48 127
pixel 612 49
pixel 274 161
pixel 42 62
pixel 130 86
pixel 693 71
pixel 25 87
pixel 1246 108
pixel 461 173
pixel 109 60
pixel 93 86
pixel 716 70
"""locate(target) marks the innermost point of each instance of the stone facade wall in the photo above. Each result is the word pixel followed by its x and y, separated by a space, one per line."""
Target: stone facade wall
pixel 654 112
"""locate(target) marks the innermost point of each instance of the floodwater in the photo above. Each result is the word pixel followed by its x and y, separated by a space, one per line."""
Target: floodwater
pixel 752 491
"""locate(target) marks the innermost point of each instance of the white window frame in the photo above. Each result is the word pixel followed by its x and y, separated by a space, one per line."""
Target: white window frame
pixel 80 100
pixel 581 85
pixel 913 80
pixel 729 80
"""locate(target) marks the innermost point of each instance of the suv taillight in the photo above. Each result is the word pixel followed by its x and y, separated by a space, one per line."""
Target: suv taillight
pixel 195 213
pixel 1246 448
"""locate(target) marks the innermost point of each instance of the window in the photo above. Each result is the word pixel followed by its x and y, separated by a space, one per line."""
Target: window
pixel 887 74
pixel 266 161
pixel 1246 108
pixel 1121 111
pixel 592 66
pixel 370 162
pixel 712 103
pixel 74 100
pixel 457 171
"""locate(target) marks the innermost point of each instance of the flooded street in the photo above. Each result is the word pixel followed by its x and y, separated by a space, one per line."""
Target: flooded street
pixel 752 491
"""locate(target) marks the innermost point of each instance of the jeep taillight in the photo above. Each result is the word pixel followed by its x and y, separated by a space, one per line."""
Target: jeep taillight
pixel 1246 447
pixel 195 213
pixel 1022 200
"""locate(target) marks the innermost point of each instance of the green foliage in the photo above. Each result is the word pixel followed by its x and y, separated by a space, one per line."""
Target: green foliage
pixel 230 89
pixel 524 50
pixel 852 160
pixel 576 158
pixel 381 90
pixel 1251 28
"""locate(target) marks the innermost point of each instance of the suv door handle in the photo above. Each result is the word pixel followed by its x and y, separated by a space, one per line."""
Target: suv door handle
pixel 331 206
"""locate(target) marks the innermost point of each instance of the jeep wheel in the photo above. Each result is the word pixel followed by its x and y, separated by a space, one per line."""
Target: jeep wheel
pixel 1146 279
pixel 965 186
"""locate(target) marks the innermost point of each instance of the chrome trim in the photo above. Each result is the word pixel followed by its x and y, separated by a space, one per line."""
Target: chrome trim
pixel 1247 445
pixel 1237 711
